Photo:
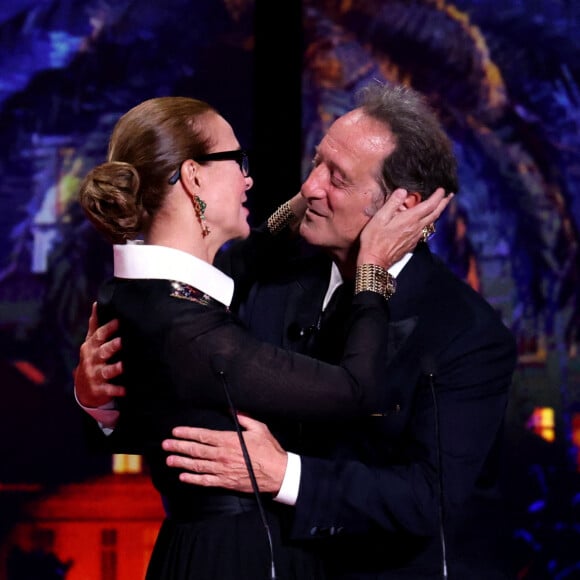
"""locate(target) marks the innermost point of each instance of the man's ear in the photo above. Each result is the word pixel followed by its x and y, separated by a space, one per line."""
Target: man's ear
pixel 413 198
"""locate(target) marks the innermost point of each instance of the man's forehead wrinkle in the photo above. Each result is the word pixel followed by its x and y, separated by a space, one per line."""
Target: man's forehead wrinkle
pixel 379 142
pixel 342 153
pixel 368 131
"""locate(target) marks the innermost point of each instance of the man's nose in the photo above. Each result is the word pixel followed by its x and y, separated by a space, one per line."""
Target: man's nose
pixel 313 186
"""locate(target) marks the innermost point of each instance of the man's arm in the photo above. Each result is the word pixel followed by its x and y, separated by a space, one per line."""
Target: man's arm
pixel 355 496
pixel 214 458
pixel 94 391
pixel 402 495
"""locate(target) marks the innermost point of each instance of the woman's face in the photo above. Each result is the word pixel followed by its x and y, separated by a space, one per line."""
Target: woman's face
pixel 223 186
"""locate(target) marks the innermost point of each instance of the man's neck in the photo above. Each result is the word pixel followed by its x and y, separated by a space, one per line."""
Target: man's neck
pixel 347 268
pixel 345 262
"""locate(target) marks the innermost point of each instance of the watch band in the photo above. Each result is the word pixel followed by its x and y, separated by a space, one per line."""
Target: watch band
pixel 374 278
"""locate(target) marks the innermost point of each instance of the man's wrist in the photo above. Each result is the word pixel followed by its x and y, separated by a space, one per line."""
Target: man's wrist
pixel 105 415
pixel 288 493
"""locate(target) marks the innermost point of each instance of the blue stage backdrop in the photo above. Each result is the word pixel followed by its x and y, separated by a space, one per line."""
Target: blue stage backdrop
pixel 504 78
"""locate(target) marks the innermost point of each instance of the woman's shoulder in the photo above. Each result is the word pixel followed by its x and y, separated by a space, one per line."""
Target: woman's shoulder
pixel 150 303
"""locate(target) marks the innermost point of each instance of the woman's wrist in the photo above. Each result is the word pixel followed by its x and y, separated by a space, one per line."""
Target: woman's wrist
pixel 298 205
pixel 288 215
pixel 280 219
pixel 374 278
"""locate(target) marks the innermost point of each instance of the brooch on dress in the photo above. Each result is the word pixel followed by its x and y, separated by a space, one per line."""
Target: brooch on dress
pixel 187 292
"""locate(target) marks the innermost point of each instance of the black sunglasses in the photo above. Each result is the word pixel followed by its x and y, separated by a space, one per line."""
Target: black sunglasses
pixel 238 155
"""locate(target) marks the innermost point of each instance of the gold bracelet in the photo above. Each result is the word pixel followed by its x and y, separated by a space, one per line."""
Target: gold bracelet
pixel 376 279
pixel 280 218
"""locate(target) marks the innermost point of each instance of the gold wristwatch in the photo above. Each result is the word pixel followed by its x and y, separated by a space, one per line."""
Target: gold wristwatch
pixel 374 278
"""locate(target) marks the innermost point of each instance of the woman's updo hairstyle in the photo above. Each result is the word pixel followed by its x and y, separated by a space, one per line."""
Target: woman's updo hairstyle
pixel 147 145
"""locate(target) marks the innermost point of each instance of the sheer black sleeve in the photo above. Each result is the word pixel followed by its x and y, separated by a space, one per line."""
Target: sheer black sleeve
pixel 256 257
pixel 266 379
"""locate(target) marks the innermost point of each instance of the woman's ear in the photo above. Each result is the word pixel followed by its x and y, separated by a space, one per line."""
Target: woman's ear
pixel 413 198
pixel 190 176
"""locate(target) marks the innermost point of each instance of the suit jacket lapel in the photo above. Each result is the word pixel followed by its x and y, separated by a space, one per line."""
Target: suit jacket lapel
pixel 306 292
pixel 304 303
pixel 403 306
pixel 399 333
pixel 411 284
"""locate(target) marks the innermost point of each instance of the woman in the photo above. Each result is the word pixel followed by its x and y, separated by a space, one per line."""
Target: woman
pixel 176 175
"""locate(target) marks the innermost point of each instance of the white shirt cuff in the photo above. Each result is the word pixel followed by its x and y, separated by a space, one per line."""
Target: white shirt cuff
pixel 288 493
pixel 106 415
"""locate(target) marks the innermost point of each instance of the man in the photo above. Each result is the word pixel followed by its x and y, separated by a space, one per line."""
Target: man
pixel 408 492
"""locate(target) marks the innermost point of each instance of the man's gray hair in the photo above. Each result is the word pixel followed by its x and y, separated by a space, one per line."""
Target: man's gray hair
pixel 423 159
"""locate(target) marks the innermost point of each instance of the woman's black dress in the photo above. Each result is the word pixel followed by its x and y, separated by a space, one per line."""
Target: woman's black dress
pixel 171 336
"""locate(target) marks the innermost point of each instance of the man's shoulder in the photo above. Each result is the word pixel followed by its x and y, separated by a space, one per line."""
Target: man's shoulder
pixel 452 298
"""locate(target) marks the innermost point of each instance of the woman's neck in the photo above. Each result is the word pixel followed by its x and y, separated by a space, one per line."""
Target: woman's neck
pixel 184 236
pixel 176 226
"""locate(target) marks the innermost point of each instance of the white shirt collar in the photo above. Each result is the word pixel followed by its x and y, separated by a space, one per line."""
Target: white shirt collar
pixel 141 261
pixel 397 267
pixel 336 277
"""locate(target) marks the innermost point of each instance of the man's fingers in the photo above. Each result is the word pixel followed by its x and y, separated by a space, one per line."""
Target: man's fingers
pixel 427 212
pixel 108 390
pixel 433 215
pixel 102 334
pixel 106 331
pixel 202 473
pixel 428 206
pixel 93 321
pixel 189 448
pixel 111 371
pixel 206 436
pixel 250 424
pixel 398 196
pixel 204 480
pixel 110 348
pixel 190 433
pixel 190 464
pixel 393 203
pixel 443 203
pixel 421 214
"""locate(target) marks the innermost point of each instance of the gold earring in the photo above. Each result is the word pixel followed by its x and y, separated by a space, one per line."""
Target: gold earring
pixel 199 207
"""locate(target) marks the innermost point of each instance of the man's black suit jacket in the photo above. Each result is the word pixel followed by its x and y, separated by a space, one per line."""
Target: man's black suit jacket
pixel 398 493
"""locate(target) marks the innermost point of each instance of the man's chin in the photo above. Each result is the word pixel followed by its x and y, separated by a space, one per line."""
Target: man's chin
pixel 312 234
pixel 306 231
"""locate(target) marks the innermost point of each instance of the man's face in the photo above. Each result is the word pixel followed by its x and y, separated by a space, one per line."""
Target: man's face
pixel 342 190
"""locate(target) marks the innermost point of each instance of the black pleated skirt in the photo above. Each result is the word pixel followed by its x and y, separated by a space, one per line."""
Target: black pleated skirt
pixel 229 547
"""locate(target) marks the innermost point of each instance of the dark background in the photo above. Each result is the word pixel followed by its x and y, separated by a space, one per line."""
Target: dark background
pixel 504 77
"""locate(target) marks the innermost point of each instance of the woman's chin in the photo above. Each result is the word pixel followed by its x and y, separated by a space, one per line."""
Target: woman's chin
pixel 245 233
pixel 242 232
pixel 245 229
